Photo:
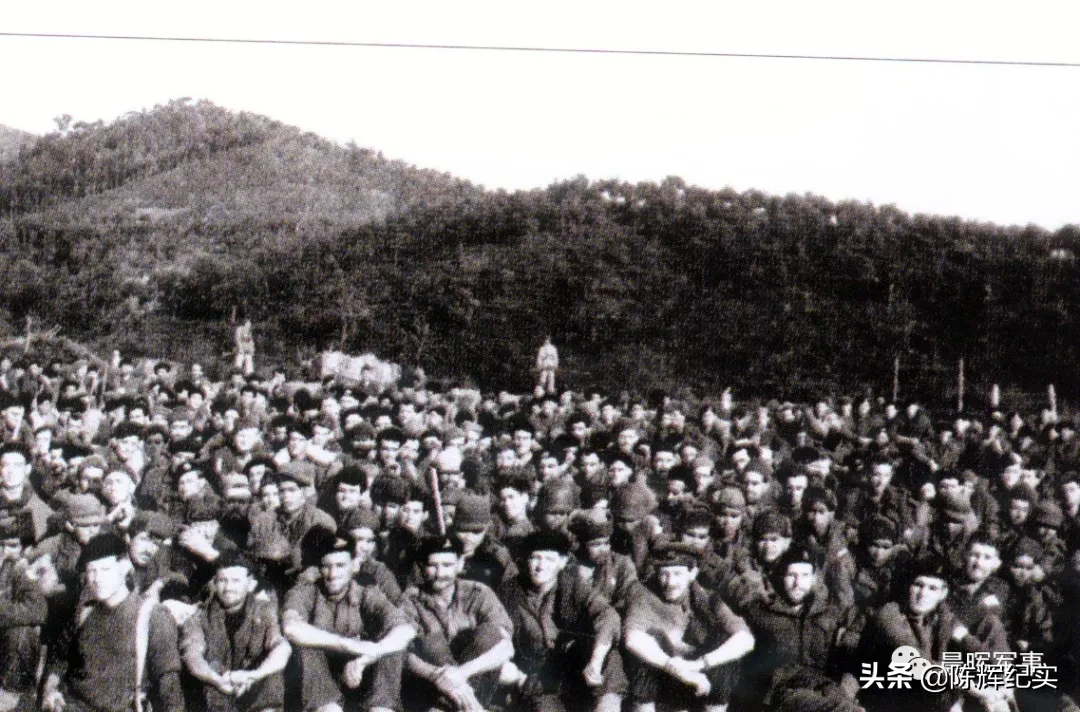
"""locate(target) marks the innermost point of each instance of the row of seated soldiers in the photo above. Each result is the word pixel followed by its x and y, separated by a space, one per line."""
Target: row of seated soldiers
pixel 337 550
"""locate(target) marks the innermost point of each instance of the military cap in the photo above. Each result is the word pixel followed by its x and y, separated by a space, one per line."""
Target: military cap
pixel 588 527
pixel 359 518
pixel 675 554
pixel 319 543
pixel 819 495
pixel 1048 514
pixel 771 522
pixel 437 545
pixel 555 541
pixel 302 473
pixel 102 546
pixel 84 510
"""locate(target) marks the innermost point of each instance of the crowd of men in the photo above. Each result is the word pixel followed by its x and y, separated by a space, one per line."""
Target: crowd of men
pixel 170 542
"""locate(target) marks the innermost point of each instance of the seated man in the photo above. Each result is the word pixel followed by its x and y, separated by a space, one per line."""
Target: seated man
pixel 923 621
pixel 682 638
pixel 464 634
pixel 563 634
pixel 800 651
pixel 340 629
pixel 233 643
pixel 120 644
pixel 22 609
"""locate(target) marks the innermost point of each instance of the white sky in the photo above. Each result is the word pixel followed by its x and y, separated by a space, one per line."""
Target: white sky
pixel 984 142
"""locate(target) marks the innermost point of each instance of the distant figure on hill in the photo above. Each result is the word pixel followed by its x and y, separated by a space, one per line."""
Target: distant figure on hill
pixel 547 362
pixel 245 348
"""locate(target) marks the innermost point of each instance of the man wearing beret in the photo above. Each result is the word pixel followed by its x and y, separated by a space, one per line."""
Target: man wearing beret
pixel 22 609
pixel 921 619
pixel 801 651
pixel 464 634
pixel 233 643
pixel 563 634
pixel 349 639
pixel 123 645
pixel 682 639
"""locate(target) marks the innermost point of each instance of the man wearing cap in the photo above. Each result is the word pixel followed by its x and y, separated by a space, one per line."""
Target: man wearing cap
pixel 23 609
pixel 349 639
pixel 682 639
pixel 563 634
pixel 771 536
pixel 83 520
pixel 554 505
pixel 731 544
pixel 123 645
pixel 636 530
pixel 464 634
pixel 149 540
pixel 233 643
pixel 818 528
pixel 16 493
pixel 298 514
pixel 200 541
pixel 801 650
pixel 361 529
pixel 613 576
pixel 880 564
pixel 947 539
pixel 484 559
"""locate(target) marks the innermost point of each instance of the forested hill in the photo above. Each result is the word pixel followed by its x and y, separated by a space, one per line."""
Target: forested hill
pixel 11 141
pixel 150 232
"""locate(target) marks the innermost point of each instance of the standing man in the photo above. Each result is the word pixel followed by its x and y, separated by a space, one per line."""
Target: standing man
pixel 349 638
pixel 245 348
pixel 233 643
pixel 464 634
pixel 122 644
pixel 547 362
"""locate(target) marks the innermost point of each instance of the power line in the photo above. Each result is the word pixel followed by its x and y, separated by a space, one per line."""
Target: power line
pixel 553 50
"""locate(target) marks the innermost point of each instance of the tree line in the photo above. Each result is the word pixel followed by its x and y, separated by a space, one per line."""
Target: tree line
pixel 153 231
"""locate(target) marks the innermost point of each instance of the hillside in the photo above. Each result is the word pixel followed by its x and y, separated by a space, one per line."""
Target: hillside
pixel 11 140
pixel 149 233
